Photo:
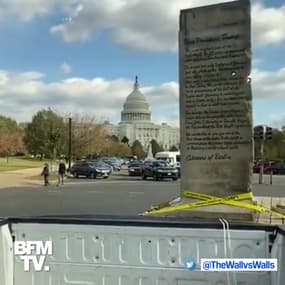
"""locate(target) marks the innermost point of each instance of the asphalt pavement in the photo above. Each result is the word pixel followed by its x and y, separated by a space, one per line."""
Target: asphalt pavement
pixel 117 195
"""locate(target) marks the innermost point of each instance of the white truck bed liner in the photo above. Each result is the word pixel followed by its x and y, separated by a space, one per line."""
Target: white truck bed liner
pixel 105 251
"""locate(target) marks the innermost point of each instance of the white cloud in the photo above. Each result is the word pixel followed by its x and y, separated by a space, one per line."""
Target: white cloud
pixel 268 84
pixel 149 25
pixel 66 68
pixel 26 10
pixel 3 78
pixel 277 120
pixel 166 93
pixel 23 94
pixel 268 24
pixel 172 120
pixel 155 26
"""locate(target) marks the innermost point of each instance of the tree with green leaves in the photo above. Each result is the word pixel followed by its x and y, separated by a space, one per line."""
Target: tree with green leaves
pixel 89 138
pixel 273 149
pixel 11 138
pixel 137 149
pixel 7 125
pixel 118 149
pixel 114 138
pixel 155 147
pixel 46 134
pixel 125 140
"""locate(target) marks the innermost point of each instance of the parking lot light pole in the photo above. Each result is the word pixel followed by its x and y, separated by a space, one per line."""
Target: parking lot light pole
pixel 69 141
pixel 259 135
pixel 262 165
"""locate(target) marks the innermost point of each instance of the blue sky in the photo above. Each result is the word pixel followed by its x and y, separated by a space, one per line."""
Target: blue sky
pixel 83 57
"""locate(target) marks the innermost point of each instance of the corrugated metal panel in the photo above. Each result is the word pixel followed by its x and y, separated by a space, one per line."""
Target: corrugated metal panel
pixel 6 256
pixel 112 255
pixel 278 251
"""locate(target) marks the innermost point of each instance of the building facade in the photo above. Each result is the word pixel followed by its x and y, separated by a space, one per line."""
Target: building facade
pixel 136 123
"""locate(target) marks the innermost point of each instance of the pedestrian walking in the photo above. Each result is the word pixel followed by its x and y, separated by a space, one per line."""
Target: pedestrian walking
pixel 45 174
pixel 61 173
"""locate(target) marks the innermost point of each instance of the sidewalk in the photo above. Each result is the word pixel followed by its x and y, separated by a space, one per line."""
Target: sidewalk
pixel 277 180
pixel 273 203
pixel 20 177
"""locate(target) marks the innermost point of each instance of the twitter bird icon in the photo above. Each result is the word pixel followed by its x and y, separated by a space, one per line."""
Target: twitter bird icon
pixel 190 264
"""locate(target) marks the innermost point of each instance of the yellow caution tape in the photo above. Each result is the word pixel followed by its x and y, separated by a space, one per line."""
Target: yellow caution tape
pixel 209 200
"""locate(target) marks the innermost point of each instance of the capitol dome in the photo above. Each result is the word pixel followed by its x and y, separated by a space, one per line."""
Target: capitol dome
pixel 136 107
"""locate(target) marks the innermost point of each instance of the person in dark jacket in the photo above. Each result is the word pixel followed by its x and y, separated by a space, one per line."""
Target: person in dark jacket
pixel 45 174
pixel 61 173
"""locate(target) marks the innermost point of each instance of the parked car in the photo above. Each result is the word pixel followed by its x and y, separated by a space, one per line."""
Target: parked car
pixel 115 164
pixel 89 170
pixel 267 166
pixel 256 167
pixel 278 168
pixel 159 170
pixel 178 169
pixel 135 168
pixel 103 166
pixel 102 163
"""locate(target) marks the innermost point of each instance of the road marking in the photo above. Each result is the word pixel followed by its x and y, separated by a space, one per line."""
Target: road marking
pixel 107 182
pixel 96 192
pixel 136 193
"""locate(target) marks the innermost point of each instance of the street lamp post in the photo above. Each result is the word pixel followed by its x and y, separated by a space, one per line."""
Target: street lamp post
pixel 262 162
pixel 261 134
pixel 88 145
pixel 69 141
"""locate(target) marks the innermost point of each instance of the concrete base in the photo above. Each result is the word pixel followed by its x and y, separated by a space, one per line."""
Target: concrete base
pixel 229 213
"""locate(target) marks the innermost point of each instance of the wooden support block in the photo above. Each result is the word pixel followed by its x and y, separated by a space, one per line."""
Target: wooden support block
pixel 260 216
pixel 269 203
pixel 279 210
pixel 266 202
pixel 276 222
pixel 263 220
pixel 275 201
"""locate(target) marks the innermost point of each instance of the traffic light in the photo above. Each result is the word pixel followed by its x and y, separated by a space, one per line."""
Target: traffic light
pixel 268 133
pixel 259 133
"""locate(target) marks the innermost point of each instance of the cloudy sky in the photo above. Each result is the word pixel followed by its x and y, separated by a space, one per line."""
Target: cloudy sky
pixel 83 56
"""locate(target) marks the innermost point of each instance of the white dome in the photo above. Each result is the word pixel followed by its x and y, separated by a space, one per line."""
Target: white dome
pixel 136 107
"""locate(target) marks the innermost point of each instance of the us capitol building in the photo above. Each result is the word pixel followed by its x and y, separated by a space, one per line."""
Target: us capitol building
pixel 136 123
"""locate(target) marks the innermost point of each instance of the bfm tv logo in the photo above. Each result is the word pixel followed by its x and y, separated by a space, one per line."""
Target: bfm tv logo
pixel 33 252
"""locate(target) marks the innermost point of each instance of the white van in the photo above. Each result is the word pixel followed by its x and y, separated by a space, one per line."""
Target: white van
pixel 172 157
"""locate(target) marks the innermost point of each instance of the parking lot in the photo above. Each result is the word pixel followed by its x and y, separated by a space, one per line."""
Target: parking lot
pixel 120 194
pixel 117 195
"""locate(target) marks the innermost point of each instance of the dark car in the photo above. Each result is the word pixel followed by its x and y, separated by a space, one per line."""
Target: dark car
pixel 257 165
pixel 102 167
pixel 278 168
pixel 178 169
pixel 115 164
pixel 159 170
pixel 89 170
pixel 267 166
pixel 103 164
pixel 135 168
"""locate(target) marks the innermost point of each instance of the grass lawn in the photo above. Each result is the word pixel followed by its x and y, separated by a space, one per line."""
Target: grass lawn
pixel 15 163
